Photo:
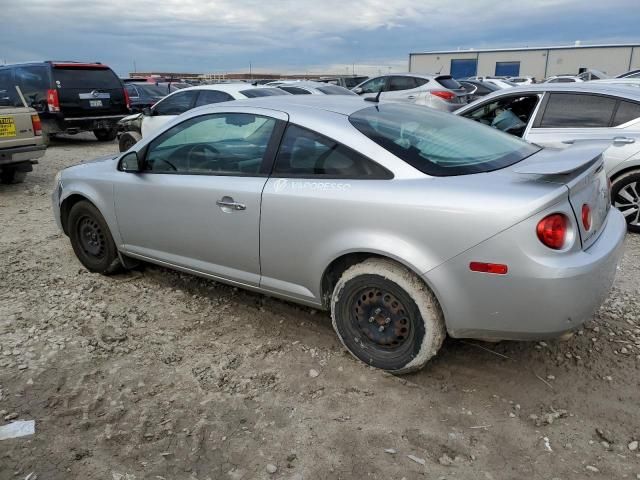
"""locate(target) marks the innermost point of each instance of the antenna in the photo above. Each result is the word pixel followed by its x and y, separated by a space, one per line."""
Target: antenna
pixel 375 99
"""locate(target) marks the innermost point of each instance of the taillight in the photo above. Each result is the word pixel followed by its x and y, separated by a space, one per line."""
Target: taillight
pixel 552 230
pixel 586 217
pixel 444 94
pixel 37 125
pixel 127 100
pixel 53 102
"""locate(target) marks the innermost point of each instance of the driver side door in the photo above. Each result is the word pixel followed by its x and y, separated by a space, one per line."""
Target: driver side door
pixel 196 204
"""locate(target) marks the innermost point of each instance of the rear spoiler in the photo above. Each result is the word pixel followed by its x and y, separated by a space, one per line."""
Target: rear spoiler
pixel 557 161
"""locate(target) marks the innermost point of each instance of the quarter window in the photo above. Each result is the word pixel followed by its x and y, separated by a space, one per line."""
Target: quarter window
pixel 626 112
pixel 568 110
pixel 176 104
pixel 218 144
pixel 304 153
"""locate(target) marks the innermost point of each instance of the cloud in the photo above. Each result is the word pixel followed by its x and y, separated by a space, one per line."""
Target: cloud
pixel 225 35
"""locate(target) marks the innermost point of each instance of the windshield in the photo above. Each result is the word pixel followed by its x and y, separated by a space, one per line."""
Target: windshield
pixel 438 143
pixel 86 78
pixel 262 92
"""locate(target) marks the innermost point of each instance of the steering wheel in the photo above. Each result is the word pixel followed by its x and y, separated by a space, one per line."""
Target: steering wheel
pixel 206 148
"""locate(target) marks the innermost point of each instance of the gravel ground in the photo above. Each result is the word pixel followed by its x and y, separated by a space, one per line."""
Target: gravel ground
pixel 155 374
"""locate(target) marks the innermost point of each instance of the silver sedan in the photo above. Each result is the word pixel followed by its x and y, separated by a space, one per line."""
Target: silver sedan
pixel 405 222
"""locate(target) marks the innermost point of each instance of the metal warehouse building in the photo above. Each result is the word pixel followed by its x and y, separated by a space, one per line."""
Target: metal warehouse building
pixel 539 62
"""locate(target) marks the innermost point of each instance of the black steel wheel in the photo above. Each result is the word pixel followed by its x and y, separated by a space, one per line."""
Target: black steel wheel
pixel 91 239
pixel 386 316
pixel 106 135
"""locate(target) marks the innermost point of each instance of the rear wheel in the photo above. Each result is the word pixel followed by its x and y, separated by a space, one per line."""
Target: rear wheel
pixel 91 239
pixel 128 140
pixel 105 135
pixel 625 195
pixel 11 175
pixel 386 316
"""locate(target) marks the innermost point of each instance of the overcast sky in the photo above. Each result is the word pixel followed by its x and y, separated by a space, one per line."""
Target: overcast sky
pixel 295 35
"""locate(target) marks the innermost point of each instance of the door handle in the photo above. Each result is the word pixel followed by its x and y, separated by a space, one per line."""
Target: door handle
pixel 228 202
pixel 411 97
pixel 624 140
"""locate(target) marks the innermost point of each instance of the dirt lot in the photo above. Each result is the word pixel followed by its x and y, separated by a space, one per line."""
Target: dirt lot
pixel 159 375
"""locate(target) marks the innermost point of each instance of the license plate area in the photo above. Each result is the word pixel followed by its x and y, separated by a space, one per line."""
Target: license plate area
pixel 7 127
pixel 95 103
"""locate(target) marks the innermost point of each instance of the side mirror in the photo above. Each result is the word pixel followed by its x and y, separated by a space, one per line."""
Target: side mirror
pixel 358 90
pixel 146 111
pixel 130 163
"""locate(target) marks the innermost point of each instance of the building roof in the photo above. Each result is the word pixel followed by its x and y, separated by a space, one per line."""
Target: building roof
pixel 524 49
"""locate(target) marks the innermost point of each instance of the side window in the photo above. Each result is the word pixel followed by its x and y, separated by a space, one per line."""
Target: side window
pixel 207 97
pixel 401 83
pixel 374 86
pixel 34 82
pixel 132 91
pixel 218 144
pixel 8 94
pixel 510 114
pixel 568 110
pixel 176 104
pixel 294 90
pixel 304 153
pixel 420 81
pixel 627 111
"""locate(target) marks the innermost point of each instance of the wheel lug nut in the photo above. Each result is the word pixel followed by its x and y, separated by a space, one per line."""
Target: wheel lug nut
pixel 387 321
pixel 371 319
pixel 377 311
pixel 381 328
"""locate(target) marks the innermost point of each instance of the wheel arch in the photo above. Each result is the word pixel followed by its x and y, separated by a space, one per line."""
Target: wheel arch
pixel 334 270
pixel 631 169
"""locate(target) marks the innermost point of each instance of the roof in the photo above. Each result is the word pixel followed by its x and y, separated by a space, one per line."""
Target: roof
pixel 340 104
pixel 621 90
pixel 524 49
pixel 225 87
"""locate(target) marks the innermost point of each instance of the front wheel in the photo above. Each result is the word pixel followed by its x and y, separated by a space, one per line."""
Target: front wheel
pixel 625 195
pixel 91 239
pixel 128 140
pixel 386 316
pixel 106 135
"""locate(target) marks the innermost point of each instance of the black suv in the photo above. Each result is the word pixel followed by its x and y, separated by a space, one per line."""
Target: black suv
pixel 70 97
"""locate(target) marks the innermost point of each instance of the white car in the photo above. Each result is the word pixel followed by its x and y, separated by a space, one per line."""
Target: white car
pixel 563 79
pixel 526 80
pixel 135 127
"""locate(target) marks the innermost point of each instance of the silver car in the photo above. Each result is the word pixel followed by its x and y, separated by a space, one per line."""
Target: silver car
pixel 405 222
pixel 441 92
pixel 558 115
pixel 306 87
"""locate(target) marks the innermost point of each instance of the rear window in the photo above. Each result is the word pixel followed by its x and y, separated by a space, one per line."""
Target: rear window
pixel 262 92
pixel 626 112
pixel 86 78
pixel 295 90
pixel 449 82
pixel 437 143
pixel 335 90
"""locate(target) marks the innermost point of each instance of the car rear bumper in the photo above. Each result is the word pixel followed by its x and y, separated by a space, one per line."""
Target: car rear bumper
pixel 29 153
pixel 538 298
pixel 82 124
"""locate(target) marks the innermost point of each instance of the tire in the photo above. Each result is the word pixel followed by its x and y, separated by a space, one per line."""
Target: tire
pixel 104 135
pixel 128 140
pixel 386 316
pixel 91 239
pixel 625 196
pixel 11 175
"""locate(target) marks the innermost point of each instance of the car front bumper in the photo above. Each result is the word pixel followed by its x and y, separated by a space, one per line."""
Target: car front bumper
pixel 540 297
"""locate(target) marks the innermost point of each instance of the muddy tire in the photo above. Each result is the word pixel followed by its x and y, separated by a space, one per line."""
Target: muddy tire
pixel 11 175
pixel 128 140
pixel 386 316
pixel 104 135
pixel 625 196
pixel 91 239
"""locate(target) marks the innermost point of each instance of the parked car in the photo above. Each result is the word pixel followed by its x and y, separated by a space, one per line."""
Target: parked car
pixel 630 74
pixel 562 79
pixel 144 95
pixel 526 80
pixel 313 88
pixel 407 223
pixel 558 115
pixel 135 127
pixel 70 97
pixel 348 81
pixel 476 89
pixel 441 92
pixel 21 143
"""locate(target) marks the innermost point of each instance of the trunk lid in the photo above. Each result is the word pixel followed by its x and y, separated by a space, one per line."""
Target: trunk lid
pixel 450 83
pixel 89 91
pixel 16 127
pixel 581 169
